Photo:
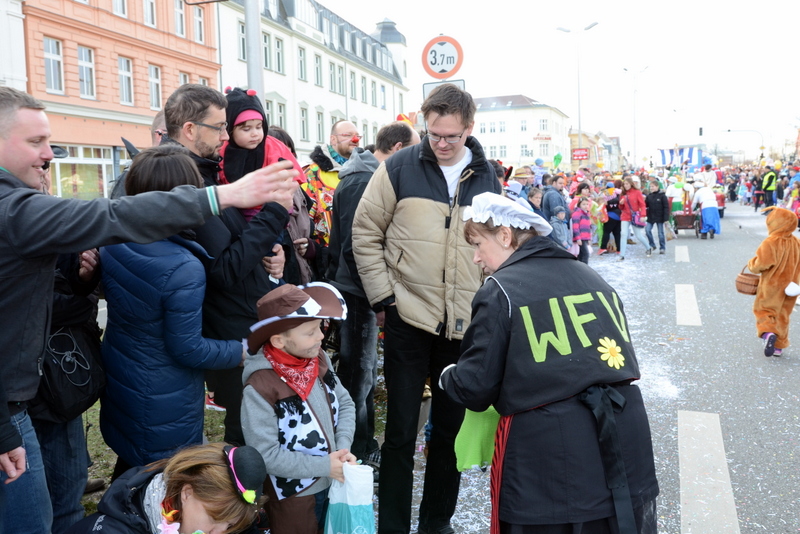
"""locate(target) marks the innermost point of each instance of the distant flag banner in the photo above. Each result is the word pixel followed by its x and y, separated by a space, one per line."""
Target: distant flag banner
pixel 674 157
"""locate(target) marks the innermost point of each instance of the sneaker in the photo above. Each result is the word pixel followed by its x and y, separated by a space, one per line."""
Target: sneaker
pixel 211 405
pixel 778 352
pixel 662 251
pixel 703 236
pixel 621 258
pixel 602 251
pixel 711 233
pixel 769 343
pixel 648 252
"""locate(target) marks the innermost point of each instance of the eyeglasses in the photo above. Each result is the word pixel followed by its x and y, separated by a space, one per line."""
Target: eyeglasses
pixel 219 129
pixel 356 136
pixel 450 139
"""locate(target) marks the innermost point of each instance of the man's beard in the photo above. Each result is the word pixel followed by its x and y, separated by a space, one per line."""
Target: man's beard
pixel 204 150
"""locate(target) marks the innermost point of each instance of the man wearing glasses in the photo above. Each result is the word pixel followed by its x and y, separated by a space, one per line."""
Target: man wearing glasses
pixel 323 176
pixel 415 265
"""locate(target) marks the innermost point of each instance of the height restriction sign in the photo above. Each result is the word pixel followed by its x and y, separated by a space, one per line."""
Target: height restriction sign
pixel 442 57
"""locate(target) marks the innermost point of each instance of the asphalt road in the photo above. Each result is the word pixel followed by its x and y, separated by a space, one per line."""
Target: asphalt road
pixel 701 382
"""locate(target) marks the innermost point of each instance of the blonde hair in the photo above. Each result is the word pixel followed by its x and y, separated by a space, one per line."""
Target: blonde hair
pixel 205 469
pixel 518 236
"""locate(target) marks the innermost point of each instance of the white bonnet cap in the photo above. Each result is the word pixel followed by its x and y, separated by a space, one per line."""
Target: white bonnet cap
pixel 504 212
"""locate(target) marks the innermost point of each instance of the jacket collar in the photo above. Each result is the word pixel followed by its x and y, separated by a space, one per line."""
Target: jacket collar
pixel 540 247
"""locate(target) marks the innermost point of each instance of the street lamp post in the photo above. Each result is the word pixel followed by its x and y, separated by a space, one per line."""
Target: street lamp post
pixel 635 76
pixel 565 30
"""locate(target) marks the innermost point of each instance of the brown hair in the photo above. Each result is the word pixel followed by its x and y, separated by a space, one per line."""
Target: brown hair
pixel 632 184
pixel 518 236
pixel 161 168
pixel 205 469
pixel 448 99
pixel 190 103
pixel 11 101
pixel 391 134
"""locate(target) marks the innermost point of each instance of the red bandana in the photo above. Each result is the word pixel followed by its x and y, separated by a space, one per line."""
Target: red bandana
pixel 300 374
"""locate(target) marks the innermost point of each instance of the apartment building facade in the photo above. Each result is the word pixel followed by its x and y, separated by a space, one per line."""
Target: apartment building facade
pixel 318 69
pixel 518 130
pixel 104 68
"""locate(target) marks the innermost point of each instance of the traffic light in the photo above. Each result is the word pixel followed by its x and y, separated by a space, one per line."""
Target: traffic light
pixel 701 131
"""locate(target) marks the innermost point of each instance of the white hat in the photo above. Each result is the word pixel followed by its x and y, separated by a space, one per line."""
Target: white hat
pixel 504 212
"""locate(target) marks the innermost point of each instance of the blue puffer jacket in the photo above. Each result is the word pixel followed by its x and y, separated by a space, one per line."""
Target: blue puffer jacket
pixel 153 351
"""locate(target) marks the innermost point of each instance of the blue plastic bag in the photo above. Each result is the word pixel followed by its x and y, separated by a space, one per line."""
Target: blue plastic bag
pixel 350 502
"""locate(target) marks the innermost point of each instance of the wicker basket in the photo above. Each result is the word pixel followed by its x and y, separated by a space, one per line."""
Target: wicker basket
pixel 747 283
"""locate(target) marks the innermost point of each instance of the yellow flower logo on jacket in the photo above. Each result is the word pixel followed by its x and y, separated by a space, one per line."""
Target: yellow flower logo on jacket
pixel 611 353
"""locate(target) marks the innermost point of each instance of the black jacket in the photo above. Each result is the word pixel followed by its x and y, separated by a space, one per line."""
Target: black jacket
pixel 354 177
pixel 658 207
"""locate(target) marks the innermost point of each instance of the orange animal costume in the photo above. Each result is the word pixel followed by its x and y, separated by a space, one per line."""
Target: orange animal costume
pixel 778 261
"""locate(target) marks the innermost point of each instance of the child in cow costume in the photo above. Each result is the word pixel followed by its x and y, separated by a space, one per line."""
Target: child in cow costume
pixel 295 411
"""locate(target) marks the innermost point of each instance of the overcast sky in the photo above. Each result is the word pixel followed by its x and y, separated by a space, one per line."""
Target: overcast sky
pixel 699 63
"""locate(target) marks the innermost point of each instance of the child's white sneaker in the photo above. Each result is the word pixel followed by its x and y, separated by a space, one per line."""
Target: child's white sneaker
pixel 792 289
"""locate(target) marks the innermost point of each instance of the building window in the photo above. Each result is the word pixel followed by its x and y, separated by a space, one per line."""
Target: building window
pixel 492 152
pixel 53 65
pixel 332 74
pixel 180 19
pixel 266 44
pixel 318 70
pixel 199 25
pixel 544 148
pixel 282 116
pixel 542 125
pixel 154 79
pixel 482 127
pixel 364 132
pixel 301 63
pixel 203 81
pixel 279 55
pixel 502 151
pixel 374 94
pixel 523 151
pixel 400 105
pixel 502 126
pixel 150 12
pixel 320 126
pixel 364 89
pixel 268 111
pixel 86 71
pixel 353 85
pixel 125 68
pixel 491 127
pixel 340 79
pixel 523 125
pixel 374 133
pixel 242 42
pixel 121 8
pixel 183 78
pixel 304 124
pixel 383 97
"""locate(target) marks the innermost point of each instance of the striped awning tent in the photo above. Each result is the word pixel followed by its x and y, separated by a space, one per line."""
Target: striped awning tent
pixel 674 157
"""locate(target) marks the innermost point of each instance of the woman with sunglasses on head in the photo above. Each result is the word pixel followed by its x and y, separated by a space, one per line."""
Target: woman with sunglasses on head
pixel 211 489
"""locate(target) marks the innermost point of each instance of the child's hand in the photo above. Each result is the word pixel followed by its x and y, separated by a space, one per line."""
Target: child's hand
pixel 338 459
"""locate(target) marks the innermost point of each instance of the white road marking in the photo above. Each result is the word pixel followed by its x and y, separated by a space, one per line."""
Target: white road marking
pixel 682 254
pixel 686 311
pixel 707 504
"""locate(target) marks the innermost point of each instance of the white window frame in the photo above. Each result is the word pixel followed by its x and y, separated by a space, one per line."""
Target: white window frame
pixel 482 127
pixel 523 151
pixel 383 96
pixel 493 152
pixel 332 75
pixel 282 115
pixel 502 151
pixel 242 42
pixel 199 25
pixel 523 125
pixel 374 93
pixel 86 70
pixel 268 111
pixel 183 78
pixel 266 45
pixel 180 18
pixel 320 127
pixel 543 125
pixel 54 66
pixel 318 70
pixel 120 8
pixel 340 79
pixel 202 81
pixel 154 84
pixel 491 127
pixel 125 80
pixel 353 90
pixel 502 129
pixel 304 124
pixel 279 65
pixel 364 89
pixel 149 13
pixel 301 63
pixel 544 149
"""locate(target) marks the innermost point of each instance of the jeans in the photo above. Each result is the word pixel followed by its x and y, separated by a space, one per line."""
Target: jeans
pixel 662 240
pixel 358 370
pixel 583 252
pixel 25 502
pixel 638 231
pixel 412 355
pixel 66 461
